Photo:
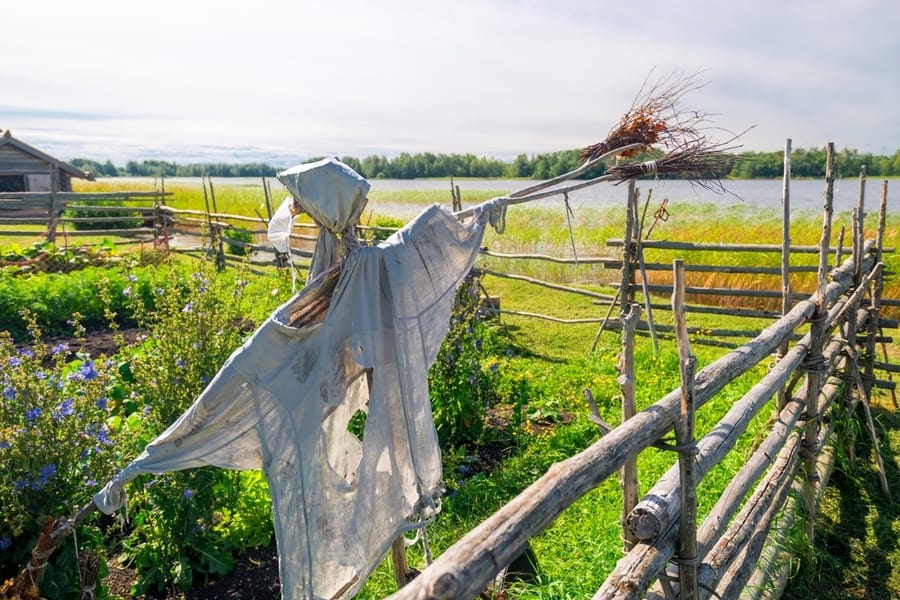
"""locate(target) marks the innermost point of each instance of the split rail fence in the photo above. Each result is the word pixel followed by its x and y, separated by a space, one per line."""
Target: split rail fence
pixel 825 349
pixel 825 345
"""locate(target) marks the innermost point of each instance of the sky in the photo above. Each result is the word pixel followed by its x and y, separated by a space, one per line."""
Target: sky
pixel 283 81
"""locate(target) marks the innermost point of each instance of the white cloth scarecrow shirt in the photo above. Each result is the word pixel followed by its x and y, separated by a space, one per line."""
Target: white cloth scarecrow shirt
pixel 283 401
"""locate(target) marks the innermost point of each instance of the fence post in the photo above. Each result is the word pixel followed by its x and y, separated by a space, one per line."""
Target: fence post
pixel 684 432
pixel 878 288
pixel 51 210
pixel 814 360
pixel 628 473
pixel 630 313
pixel 785 255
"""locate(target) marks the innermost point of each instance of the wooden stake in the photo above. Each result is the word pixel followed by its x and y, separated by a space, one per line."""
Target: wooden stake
pixel 684 431
pixel 877 289
pixel 814 375
pixel 639 251
pixel 785 253
pixel 628 473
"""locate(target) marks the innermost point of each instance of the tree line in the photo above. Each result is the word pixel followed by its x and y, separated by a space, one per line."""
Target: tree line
pixel 747 165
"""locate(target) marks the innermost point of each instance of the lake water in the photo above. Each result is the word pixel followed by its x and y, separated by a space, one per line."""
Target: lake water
pixel 805 194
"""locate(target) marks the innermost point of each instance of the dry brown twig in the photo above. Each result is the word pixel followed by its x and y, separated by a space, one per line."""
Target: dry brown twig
pixel 657 118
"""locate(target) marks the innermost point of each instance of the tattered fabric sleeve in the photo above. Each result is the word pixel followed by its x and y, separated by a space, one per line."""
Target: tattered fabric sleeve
pixel 221 428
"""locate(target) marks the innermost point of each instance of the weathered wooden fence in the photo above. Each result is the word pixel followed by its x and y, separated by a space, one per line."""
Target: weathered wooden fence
pixel 736 552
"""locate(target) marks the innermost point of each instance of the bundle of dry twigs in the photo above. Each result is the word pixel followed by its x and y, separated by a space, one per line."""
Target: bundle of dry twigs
pixel 658 119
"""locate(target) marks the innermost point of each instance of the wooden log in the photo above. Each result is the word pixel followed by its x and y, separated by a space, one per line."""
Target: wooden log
pixel 732 496
pixel 715 291
pixel 545 284
pixel 770 577
pixel 731 311
pixel 684 432
pixel 628 475
pixel 706 247
pixel 582 260
pixel 701 268
pixel 753 524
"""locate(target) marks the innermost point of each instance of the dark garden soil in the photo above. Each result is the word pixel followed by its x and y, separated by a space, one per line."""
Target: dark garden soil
pixel 254 577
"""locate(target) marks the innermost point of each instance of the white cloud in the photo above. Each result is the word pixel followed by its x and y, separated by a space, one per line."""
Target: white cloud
pixel 122 80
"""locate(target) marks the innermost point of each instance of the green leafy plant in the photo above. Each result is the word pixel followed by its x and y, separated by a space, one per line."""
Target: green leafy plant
pixel 238 234
pixel 51 399
pixel 460 381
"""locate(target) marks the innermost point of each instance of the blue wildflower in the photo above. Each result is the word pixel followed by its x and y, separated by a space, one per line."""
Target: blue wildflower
pixel 146 410
pixel 188 494
pixel 9 393
pixel 5 543
pixel 188 308
pixel 132 278
pixel 126 291
pixel 26 352
pixel 41 375
pixel 101 403
pixel 5 445
pixel 32 414
pixel 180 363
pixel 494 367
pixel 14 361
pixel 20 484
pixel 60 348
pixel 65 409
pixel 103 436
pixel 478 344
pixel 44 476
pixel 87 371
pixel 159 291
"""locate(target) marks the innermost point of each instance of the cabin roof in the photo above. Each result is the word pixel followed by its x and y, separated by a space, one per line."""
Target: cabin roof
pixel 7 140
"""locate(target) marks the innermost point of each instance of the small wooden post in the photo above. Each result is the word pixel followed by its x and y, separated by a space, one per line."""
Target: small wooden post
pixel 630 313
pixel 626 291
pixel 785 255
pixel 639 253
pixel 268 201
pixel 814 358
pixel 628 474
pixel 878 288
pixel 51 210
pixel 684 431
pixel 398 561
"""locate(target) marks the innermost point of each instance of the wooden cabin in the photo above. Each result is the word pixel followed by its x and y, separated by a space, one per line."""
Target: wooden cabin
pixel 24 168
